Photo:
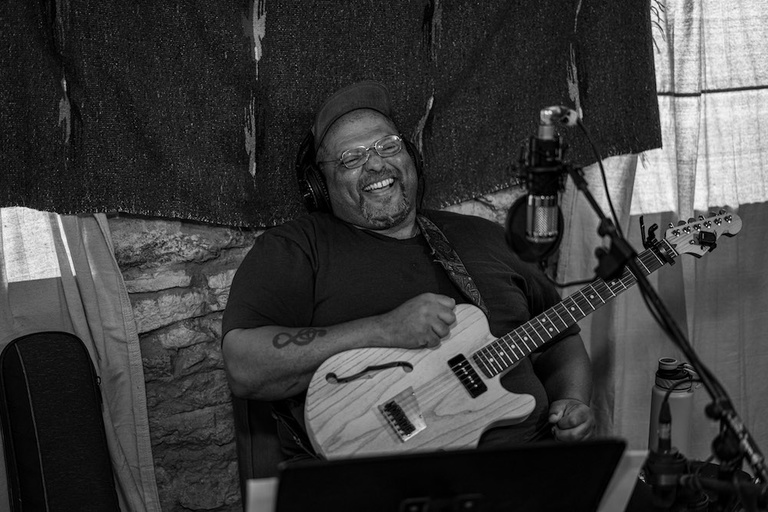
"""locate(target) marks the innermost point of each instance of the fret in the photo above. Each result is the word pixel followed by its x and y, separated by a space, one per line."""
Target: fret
pixel 585 302
pixel 481 362
pixel 501 354
pixel 581 302
pixel 526 339
pixel 628 280
pixel 562 307
pixel 530 327
pixel 539 329
pixel 554 310
pixel 577 306
pixel 548 325
pixel 556 320
pixel 510 349
pixel 652 261
pixel 614 286
pixel 525 343
pixel 640 261
pixel 517 339
pixel 494 364
pixel 603 289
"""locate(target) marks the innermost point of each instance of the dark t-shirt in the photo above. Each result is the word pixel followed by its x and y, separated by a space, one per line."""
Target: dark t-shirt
pixel 318 271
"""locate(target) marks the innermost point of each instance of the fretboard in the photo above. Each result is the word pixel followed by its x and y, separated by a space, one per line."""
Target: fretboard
pixel 503 353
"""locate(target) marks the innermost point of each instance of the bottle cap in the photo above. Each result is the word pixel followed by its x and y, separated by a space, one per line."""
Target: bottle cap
pixel 670 372
pixel 668 363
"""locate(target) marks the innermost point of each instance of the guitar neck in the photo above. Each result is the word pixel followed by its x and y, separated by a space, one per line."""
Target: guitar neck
pixel 503 353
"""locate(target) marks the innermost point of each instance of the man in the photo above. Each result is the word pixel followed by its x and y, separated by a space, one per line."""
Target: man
pixel 363 273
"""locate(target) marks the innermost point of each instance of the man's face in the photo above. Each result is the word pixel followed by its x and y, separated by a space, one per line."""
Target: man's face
pixel 380 194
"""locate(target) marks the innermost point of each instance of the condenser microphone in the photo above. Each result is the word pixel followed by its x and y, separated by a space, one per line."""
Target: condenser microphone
pixel 545 176
pixel 537 233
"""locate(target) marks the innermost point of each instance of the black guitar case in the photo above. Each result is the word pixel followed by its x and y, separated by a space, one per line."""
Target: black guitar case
pixel 54 438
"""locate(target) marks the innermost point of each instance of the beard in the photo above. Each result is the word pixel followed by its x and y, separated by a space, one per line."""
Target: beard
pixel 390 213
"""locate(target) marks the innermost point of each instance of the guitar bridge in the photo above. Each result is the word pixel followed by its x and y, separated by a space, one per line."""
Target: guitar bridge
pixel 403 415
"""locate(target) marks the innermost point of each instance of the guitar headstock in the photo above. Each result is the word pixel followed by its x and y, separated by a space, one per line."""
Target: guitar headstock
pixel 698 236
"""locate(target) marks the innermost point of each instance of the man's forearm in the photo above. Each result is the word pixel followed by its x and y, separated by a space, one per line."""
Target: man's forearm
pixel 271 362
pixel 565 370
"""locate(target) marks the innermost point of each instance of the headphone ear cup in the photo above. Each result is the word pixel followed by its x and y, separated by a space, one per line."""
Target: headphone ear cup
pixel 418 161
pixel 312 187
pixel 320 200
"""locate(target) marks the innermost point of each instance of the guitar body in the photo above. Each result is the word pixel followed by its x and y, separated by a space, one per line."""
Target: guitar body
pixel 418 403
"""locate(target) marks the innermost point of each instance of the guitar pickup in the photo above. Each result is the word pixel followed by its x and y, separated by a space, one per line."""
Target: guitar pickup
pixel 467 375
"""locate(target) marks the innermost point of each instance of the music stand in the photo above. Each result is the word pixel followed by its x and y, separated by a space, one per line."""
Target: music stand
pixel 537 477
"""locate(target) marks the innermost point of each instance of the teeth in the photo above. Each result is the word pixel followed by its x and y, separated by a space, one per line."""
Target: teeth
pixel 379 184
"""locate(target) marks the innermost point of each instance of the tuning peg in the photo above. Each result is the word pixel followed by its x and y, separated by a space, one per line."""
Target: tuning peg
pixel 681 223
pixel 670 226
pixel 721 212
pixel 691 220
pixel 700 217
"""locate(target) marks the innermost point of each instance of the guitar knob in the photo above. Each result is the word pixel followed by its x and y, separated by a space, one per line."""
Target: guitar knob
pixel 681 223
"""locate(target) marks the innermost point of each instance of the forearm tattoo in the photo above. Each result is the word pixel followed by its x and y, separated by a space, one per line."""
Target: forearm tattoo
pixel 303 337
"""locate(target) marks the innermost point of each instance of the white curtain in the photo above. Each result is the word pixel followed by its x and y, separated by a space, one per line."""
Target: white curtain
pixel 59 273
pixel 712 79
pixel 712 83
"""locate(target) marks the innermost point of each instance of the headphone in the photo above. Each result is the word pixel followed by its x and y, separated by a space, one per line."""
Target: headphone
pixel 312 186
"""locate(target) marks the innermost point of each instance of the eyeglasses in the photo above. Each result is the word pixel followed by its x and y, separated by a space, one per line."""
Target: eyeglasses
pixel 355 157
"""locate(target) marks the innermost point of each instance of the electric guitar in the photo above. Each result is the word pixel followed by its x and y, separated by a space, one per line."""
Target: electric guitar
pixel 375 401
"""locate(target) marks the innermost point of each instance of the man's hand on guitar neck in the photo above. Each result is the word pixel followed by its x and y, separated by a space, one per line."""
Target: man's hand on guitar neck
pixel 571 419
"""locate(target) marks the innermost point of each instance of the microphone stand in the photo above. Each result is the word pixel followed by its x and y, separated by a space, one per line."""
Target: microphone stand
pixel 735 442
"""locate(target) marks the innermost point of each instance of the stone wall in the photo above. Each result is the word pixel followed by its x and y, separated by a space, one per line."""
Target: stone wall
pixel 178 276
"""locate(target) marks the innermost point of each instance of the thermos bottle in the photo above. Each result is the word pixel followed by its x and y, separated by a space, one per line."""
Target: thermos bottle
pixel 677 376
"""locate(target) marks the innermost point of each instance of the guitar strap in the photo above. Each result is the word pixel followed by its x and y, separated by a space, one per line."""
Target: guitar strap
pixel 446 255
